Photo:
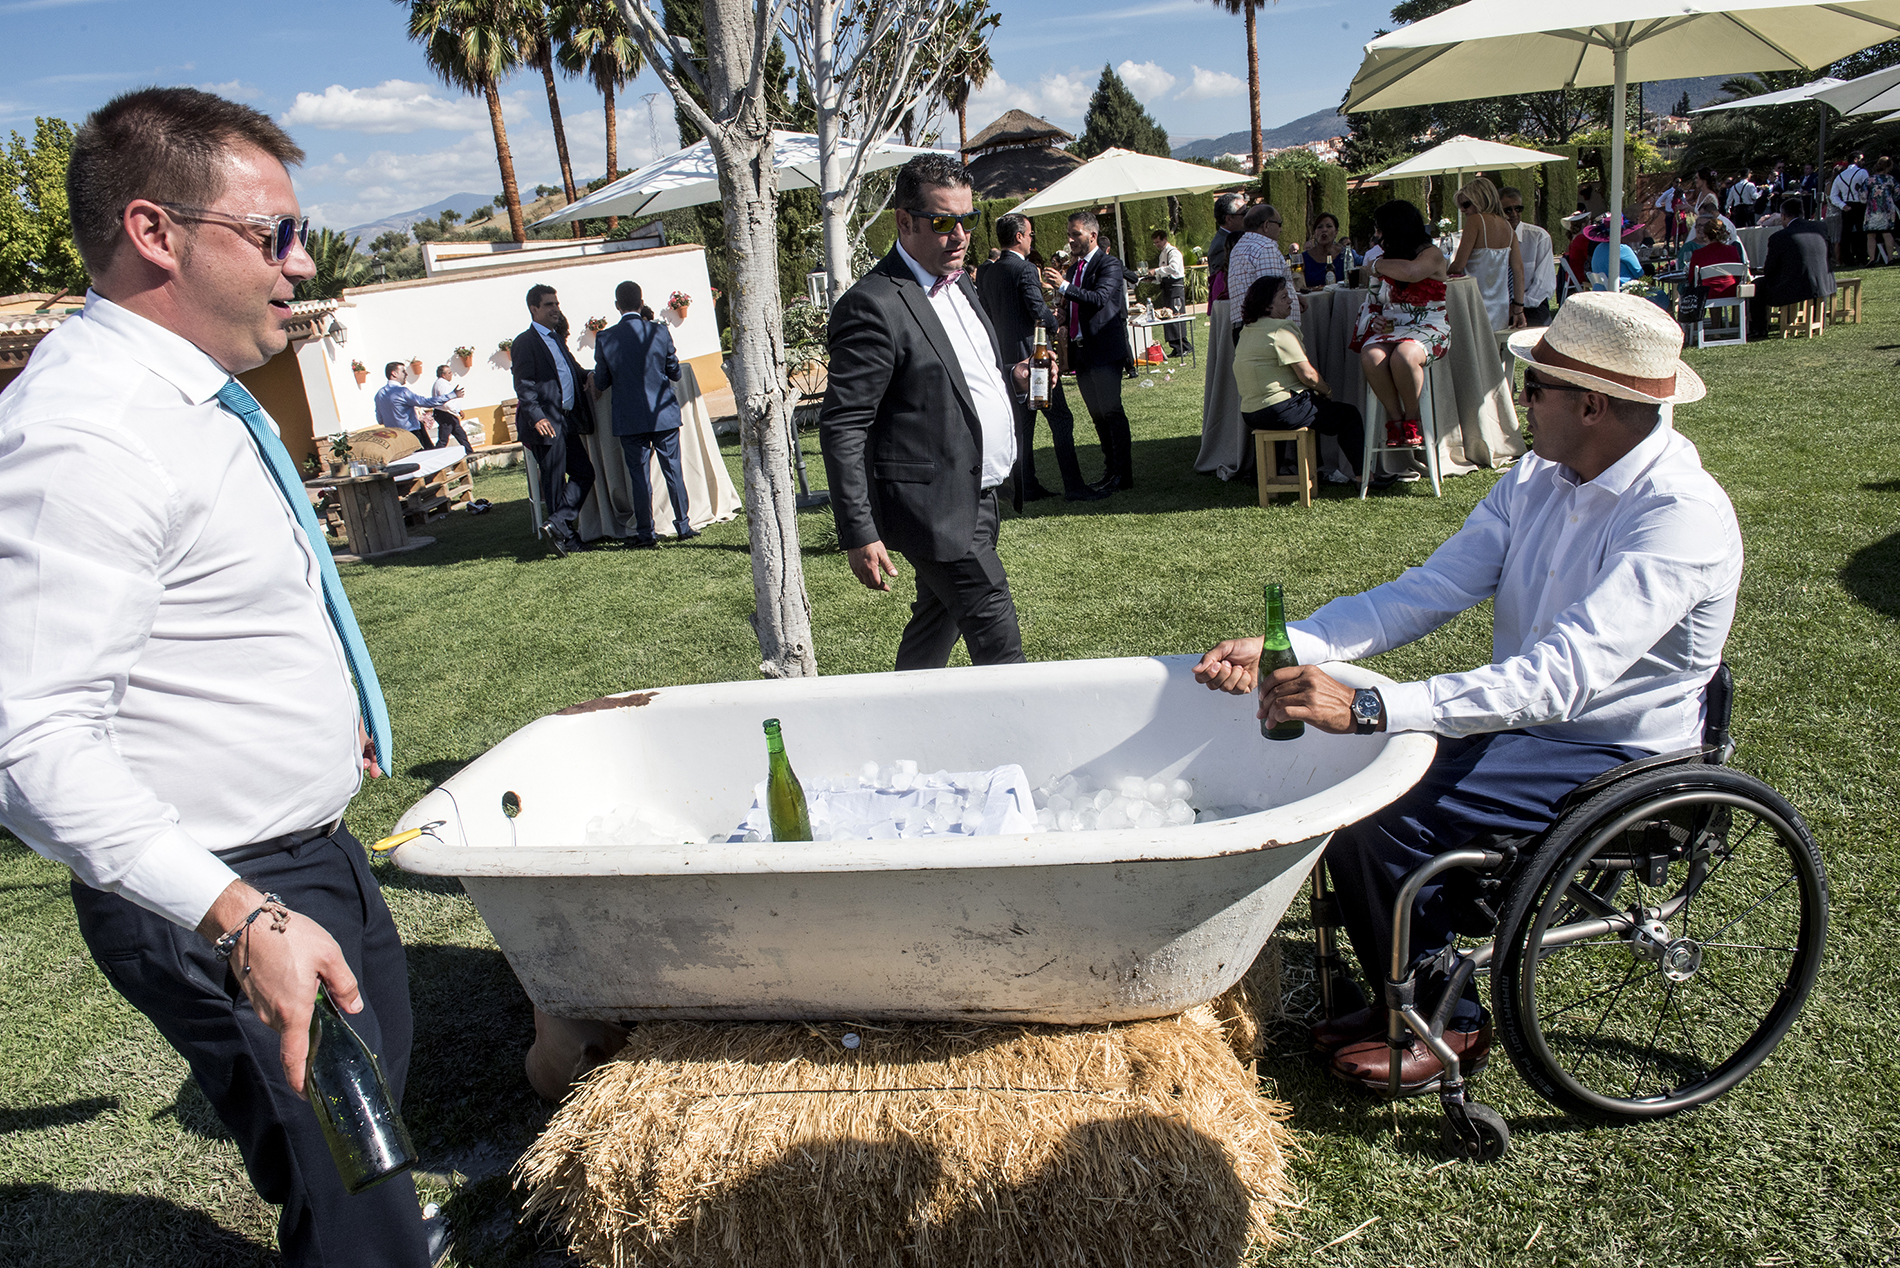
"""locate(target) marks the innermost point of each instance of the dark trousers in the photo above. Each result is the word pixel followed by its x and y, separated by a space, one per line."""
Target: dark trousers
pixel 1101 388
pixel 1324 415
pixel 1853 233
pixel 171 975
pixel 1507 782
pixel 1537 314
pixel 967 598
pixel 446 425
pixel 1061 432
pixel 567 474
pixel 638 447
pixel 1174 295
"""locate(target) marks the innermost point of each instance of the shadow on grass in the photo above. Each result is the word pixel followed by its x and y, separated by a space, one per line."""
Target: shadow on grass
pixel 193 1112
pixel 36 1117
pixel 1882 486
pixel 466 1090
pixel 1872 576
pixel 36 1221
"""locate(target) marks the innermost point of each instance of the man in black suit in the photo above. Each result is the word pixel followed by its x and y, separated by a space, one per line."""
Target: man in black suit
pixel 1012 293
pixel 552 415
pixel 639 356
pixel 1098 342
pixel 918 428
pixel 1796 268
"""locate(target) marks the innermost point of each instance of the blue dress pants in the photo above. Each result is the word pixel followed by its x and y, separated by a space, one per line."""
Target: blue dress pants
pixel 638 448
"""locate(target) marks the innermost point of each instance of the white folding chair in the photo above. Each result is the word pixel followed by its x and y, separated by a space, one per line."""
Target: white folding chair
pixel 1570 283
pixel 1375 432
pixel 1737 304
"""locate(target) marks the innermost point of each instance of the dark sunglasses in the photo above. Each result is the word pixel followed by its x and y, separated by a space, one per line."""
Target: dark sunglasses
pixel 1511 207
pixel 1533 387
pixel 284 230
pixel 948 224
pixel 1463 205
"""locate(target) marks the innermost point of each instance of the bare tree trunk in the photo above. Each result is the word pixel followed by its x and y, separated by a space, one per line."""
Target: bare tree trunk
pixel 613 147
pixel 510 192
pixel 834 199
pixel 1253 84
pixel 560 134
pixel 963 128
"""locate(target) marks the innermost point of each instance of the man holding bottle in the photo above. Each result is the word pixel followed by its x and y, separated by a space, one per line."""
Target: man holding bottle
pixel 1614 562
pixel 178 718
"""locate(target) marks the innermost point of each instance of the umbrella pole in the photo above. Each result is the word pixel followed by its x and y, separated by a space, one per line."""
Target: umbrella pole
pixel 1613 268
pixel 1121 247
pixel 1821 188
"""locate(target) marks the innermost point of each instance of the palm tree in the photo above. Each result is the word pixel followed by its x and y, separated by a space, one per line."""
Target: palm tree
pixel 470 45
pixel 1249 8
pixel 536 43
pixel 970 65
pixel 338 266
pixel 593 40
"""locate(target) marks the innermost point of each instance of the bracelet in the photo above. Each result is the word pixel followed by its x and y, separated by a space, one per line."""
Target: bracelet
pixel 225 945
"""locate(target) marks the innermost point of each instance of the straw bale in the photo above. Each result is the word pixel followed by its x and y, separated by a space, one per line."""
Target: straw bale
pixel 1053 1147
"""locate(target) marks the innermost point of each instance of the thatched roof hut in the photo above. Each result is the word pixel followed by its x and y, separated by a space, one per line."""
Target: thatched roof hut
pixel 1017 155
pixel 1017 127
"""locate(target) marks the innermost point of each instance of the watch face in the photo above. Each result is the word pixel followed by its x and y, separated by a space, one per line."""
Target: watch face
pixel 1365 705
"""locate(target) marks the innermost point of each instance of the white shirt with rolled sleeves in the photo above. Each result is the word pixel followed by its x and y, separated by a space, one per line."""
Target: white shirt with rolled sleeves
pixel 1540 264
pixel 1613 599
pixel 977 355
pixel 169 682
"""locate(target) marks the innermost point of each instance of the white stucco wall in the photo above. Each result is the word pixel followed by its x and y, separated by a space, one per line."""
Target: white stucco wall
pixel 429 317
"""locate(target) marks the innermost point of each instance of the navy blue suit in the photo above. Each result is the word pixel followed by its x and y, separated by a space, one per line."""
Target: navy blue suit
pixel 1099 354
pixel 638 359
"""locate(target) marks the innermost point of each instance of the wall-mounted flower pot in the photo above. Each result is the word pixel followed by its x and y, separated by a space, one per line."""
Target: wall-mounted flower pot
pixel 362 377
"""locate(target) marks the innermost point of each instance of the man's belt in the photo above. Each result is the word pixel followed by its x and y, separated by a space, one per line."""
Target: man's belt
pixel 277 845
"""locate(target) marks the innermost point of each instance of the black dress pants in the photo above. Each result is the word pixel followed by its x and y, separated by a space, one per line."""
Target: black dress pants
pixel 173 977
pixel 1061 432
pixel 639 448
pixel 1174 295
pixel 1853 233
pixel 1101 388
pixel 1324 415
pixel 964 598
pixel 567 474
pixel 446 425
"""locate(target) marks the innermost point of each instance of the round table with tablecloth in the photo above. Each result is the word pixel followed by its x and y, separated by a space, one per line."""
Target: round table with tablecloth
pixel 710 494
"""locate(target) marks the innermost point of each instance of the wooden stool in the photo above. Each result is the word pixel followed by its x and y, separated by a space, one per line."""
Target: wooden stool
pixel 1304 479
pixel 1804 320
pixel 1844 304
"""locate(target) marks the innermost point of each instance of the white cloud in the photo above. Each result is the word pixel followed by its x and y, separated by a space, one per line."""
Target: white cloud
pixel 1145 79
pixel 1209 84
pixel 234 89
pixel 1057 97
pixel 396 105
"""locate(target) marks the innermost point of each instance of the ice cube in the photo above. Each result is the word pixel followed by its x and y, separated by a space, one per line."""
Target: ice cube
pixel 1041 796
pixel 1088 819
pixel 867 775
pixel 1045 821
pixel 1149 816
pixel 1104 798
pixel 753 834
pixel 1157 792
pixel 1179 813
pixel 1114 817
pixel 1058 803
pixel 1131 786
pixel 1068 821
pixel 903 775
pixel 1181 789
pixel 938 822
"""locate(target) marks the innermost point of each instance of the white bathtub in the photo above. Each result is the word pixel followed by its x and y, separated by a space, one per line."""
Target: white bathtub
pixel 1066 927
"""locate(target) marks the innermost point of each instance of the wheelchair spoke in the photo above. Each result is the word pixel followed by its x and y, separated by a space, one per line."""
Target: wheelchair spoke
pixel 1608 990
pixel 1749 946
pixel 1756 906
pixel 1695 1053
pixel 1662 1011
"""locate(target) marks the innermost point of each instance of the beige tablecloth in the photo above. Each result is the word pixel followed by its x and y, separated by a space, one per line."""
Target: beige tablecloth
pixel 1469 384
pixel 710 495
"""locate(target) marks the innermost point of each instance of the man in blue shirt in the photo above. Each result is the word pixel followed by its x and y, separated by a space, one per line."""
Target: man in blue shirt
pixel 396 404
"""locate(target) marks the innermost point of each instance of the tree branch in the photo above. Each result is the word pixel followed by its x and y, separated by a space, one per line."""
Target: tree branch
pixel 652 38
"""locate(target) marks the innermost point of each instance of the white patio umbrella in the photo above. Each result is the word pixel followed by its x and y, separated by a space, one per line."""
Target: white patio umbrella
pixel 1870 94
pixel 1116 175
pixel 1786 97
pixel 1492 48
pixel 1464 154
pixel 688 177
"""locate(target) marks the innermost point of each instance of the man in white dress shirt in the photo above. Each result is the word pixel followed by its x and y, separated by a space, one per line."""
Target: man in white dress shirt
pixel 1613 560
pixel 1540 261
pixel 1171 274
pixel 178 723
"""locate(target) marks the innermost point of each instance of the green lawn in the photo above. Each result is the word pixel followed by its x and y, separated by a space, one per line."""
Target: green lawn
pixel 109 1155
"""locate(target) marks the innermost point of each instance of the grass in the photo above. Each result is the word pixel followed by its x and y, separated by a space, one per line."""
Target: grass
pixel 109 1155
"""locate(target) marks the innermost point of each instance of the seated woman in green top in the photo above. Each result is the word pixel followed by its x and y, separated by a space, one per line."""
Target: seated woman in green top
pixel 1279 388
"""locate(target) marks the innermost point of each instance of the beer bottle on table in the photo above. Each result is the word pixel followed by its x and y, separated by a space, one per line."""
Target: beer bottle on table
pixel 784 798
pixel 367 1139
pixel 1276 652
pixel 1042 370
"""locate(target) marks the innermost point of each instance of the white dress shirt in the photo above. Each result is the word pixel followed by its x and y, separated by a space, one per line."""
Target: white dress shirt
pixel 169 682
pixel 1170 264
pixel 1256 256
pixel 559 353
pixel 1613 599
pixel 976 353
pixel 1540 264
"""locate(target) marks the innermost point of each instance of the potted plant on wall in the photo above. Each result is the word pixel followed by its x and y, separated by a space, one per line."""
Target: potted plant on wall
pixel 415 367
pixel 679 302
pixel 506 350
pixel 339 453
pixel 466 355
pixel 361 372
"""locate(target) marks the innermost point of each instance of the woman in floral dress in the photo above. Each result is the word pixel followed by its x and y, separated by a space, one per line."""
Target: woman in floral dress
pixel 1403 325
pixel 1883 192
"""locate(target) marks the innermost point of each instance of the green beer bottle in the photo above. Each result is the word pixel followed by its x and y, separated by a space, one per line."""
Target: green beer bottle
pixel 367 1139
pixel 784 799
pixel 1276 651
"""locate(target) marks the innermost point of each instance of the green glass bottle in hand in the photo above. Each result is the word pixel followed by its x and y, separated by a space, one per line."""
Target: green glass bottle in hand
pixel 345 1085
pixel 784 798
pixel 1276 652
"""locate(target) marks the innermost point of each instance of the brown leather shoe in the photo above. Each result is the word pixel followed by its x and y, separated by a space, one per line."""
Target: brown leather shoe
pixel 1334 1033
pixel 1369 1062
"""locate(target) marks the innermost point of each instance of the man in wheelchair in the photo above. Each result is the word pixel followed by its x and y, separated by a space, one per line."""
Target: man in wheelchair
pixel 1613 560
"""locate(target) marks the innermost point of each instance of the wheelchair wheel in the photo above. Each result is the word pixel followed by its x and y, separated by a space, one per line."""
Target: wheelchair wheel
pixel 1660 943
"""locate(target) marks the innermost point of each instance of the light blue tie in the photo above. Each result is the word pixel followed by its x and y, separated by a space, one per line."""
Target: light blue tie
pixel 369 692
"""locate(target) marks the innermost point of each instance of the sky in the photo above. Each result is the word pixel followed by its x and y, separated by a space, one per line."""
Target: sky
pixel 383 136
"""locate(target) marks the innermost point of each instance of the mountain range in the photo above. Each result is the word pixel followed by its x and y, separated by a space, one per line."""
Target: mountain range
pixel 402 220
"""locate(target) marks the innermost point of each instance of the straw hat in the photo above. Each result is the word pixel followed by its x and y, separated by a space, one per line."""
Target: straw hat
pixel 1619 345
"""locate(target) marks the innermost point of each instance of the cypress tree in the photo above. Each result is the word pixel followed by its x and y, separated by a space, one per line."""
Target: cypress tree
pixel 1115 118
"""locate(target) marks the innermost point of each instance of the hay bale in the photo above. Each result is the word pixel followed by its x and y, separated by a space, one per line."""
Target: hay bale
pixel 773 1144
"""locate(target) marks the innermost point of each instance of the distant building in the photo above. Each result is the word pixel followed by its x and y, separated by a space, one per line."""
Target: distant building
pixel 1018 155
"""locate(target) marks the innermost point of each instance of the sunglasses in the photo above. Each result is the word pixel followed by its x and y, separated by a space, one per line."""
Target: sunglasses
pixel 948 224
pixel 1509 208
pixel 284 230
pixel 1533 388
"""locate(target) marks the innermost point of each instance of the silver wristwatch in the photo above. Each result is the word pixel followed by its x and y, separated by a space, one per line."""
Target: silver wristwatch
pixel 1368 706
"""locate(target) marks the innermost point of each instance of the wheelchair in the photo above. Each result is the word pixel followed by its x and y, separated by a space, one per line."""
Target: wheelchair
pixel 1646 952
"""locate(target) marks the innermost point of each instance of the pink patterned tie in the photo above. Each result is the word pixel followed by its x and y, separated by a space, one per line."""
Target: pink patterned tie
pixel 948 279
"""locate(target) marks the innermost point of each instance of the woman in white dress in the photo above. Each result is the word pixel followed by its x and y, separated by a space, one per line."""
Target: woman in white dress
pixel 1488 252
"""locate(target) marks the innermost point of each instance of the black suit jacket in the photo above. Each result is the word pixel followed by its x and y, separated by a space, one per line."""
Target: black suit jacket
pixel 538 387
pixel 1796 268
pixel 903 448
pixel 1102 300
pixel 1011 289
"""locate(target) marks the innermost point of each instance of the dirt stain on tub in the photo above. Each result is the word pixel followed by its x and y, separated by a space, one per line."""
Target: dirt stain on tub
pixel 632 700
